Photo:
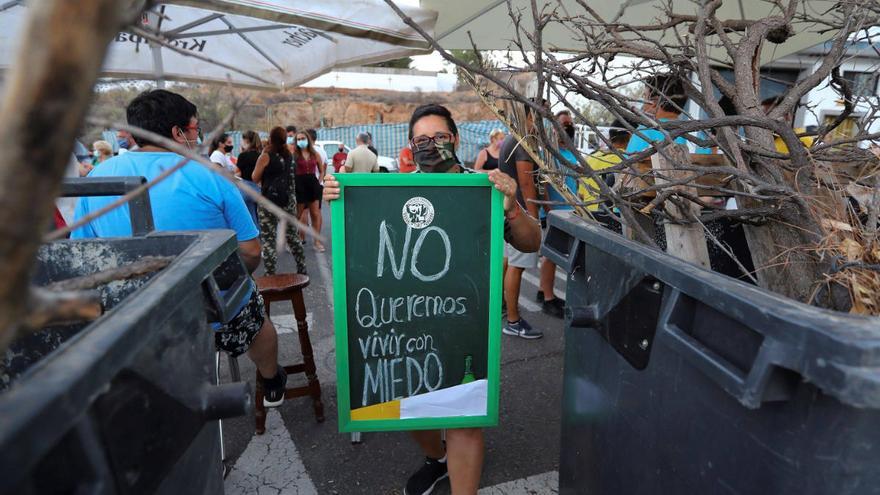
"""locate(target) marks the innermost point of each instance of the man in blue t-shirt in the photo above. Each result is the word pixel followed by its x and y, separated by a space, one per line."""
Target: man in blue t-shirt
pixel 664 100
pixel 192 198
pixel 550 304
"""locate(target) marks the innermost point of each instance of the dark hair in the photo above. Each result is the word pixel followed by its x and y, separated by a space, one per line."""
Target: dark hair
pixel 256 143
pixel 159 111
pixel 290 128
pixel 217 141
pixel 313 133
pixel 538 101
pixel 727 106
pixel 432 109
pixel 669 90
pixel 618 133
pixel 563 112
pixel 278 142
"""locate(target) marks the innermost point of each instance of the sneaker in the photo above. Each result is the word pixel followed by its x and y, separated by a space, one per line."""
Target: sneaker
pixel 554 307
pixel 273 390
pixel 539 296
pixel 423 481
pixel 522 329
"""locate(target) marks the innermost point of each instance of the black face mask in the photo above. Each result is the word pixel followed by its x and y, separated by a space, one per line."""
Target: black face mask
pixel 435 160
pixel 228 148
pixel 569 129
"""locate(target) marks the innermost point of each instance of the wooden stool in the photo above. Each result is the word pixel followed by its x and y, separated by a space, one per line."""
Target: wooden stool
pixel 288 287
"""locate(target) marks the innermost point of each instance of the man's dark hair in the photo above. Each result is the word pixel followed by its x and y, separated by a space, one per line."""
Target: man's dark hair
pixel 291 128
pixel 158 111
pixel 432 109
pixel 618 133
pixel 313 133
pixel 563 112
pixel 669 91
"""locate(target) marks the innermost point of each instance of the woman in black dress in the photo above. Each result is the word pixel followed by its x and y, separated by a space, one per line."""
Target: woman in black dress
pixel 308 185
pixel 274 161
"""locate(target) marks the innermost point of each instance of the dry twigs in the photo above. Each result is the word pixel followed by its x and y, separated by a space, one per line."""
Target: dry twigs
pixel 773 174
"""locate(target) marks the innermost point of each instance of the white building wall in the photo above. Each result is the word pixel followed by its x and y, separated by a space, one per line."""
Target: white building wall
pixel 823 101
pixel 387 79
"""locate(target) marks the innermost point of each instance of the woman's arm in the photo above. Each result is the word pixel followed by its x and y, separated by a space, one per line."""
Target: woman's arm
pixel 481 159
pixel 260 167
pixel 525 231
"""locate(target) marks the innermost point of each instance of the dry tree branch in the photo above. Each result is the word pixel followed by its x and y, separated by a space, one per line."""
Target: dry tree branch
pixel 39 106
pixel 143 266
pixel 538 109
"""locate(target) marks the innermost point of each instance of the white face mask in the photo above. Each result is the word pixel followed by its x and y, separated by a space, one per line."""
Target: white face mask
pixel 188 143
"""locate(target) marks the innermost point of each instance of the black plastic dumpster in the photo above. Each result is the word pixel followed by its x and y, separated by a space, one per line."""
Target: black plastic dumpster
pixel 679 380
pixel 126 404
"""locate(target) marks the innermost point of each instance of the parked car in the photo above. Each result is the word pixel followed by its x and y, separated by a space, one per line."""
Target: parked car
pixel 386 163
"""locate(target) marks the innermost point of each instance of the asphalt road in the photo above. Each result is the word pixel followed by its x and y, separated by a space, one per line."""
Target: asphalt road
pixel 299 455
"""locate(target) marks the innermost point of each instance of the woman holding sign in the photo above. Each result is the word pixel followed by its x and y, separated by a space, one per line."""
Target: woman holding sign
pixel 433 138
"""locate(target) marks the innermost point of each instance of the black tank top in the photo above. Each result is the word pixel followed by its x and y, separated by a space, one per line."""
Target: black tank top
pixel 277 166
pixel 491 161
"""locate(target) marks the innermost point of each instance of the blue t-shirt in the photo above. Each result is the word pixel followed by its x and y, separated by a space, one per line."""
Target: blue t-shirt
pixel 637 143
pixel 192 198
pixel 570 182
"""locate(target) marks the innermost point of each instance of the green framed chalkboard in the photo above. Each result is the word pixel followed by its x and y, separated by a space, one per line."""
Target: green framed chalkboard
pixel 417 261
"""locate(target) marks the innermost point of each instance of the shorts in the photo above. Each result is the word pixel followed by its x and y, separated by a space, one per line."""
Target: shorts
pixel 308 189
pixel 520 259
pixel 237 336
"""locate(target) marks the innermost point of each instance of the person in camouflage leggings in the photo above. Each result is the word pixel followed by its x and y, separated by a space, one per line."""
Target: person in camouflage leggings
pixel 269 236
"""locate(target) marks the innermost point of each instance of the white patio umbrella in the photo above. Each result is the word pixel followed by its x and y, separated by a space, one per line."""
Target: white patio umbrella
pixel 490 25
pixel 261 43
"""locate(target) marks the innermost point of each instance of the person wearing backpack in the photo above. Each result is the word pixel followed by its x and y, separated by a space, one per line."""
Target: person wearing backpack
pixel 274 172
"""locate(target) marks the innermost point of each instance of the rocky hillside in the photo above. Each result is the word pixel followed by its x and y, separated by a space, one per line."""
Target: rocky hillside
pixel 340 107
pixel 303 107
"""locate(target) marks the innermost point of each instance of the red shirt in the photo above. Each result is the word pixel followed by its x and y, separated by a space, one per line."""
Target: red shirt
pixel 405 160
pixel 339 160
pixel 306 167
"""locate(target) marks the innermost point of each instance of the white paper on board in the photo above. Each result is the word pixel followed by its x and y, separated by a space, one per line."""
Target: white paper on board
pixel 470 399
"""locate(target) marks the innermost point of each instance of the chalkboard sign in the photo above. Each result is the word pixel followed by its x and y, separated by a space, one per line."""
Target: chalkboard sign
pixel 417 262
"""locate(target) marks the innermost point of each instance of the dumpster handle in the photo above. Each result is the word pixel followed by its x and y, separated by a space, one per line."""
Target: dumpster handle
pixel 749 386
pixel 224 305
pixel 139 210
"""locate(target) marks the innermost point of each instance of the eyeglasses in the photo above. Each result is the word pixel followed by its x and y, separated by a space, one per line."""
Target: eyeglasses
pixel 193 127
pixel 421 143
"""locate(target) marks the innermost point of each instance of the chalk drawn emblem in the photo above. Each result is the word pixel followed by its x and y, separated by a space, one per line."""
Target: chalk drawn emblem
pixel 418 212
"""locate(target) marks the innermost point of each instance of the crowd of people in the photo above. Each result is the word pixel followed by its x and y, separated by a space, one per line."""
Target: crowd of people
pixel 290 170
